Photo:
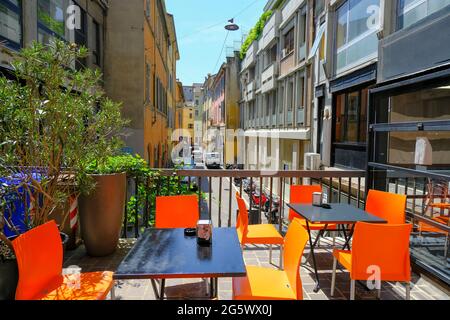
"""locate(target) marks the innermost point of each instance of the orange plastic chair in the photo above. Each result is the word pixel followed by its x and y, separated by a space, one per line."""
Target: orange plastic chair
pixel 271 284
pixel 376 248
pixel 39 255
pixel 257 234
pixel 388 206
pixel 304 195
pixel 177 212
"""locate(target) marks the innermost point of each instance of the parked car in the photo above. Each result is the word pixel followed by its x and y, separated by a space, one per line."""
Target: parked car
pixel 212 160
pixel 198 156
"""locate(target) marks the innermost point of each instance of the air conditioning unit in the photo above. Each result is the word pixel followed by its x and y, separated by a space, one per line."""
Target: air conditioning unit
pixel 312 161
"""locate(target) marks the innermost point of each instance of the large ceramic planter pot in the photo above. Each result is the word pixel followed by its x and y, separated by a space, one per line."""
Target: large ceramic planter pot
pixel 101 214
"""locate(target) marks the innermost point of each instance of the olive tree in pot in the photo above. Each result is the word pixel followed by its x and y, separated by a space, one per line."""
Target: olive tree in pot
pixel 54 119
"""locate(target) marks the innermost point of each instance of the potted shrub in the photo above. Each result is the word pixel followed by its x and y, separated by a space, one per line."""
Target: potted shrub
pixel 102 209
pixel 53 120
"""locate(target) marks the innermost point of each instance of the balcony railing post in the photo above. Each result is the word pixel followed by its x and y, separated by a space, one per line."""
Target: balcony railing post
pixel 349 190
pixel 200 200
pixel 330 189
pixel 220 202
pixel 230 202
pixel 136 208
pixel 359 193
pixel 210 198
pixel 271 200
pixel 281 210
pixel 260 198
pixel 125 218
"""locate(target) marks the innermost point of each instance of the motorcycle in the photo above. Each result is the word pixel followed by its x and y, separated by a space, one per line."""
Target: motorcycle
pixel 272 214
pixel 249 186
pixel 258 199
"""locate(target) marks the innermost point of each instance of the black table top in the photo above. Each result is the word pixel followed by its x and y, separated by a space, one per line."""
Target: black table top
pixel 168 253
pixel 338 214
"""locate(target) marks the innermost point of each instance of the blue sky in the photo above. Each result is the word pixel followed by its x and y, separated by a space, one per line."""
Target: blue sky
pixel 201 34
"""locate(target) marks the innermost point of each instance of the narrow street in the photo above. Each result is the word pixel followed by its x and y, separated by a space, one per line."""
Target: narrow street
pixel 220 200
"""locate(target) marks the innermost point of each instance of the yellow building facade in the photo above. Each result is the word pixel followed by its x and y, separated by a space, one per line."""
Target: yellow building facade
pixel 140 72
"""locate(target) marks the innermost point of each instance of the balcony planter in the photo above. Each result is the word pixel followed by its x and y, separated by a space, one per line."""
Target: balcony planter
pixel 101 214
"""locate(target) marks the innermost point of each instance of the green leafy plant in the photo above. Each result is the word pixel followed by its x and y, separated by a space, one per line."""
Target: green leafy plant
pixel 6 248
pixel 255 32
pixel 53 120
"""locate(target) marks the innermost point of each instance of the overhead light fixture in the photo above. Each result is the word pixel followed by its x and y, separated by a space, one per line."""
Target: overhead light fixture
pixel 444 88
pixel 231 26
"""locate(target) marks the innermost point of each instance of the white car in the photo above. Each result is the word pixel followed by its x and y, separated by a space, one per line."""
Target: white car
pixel 212 160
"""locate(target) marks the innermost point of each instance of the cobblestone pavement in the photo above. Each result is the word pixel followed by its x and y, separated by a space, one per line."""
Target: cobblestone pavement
pixel 422 288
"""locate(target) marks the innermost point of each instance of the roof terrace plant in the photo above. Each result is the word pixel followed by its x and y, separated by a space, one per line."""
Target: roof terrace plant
pixel 53 120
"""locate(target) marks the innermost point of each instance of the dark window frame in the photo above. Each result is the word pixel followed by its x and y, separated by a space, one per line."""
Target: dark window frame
pixel 42 27
pixel 97 49
pixel 361 140
pixel 18 10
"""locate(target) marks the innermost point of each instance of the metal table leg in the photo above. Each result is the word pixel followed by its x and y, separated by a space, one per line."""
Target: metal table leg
pixel 159 294
pixel 214 288
pixel 348 238
pixel 311 245
pixel 163 287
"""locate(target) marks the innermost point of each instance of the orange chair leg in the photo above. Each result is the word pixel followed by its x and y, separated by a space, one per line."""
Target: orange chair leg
pixel 352 289
pixel 408 291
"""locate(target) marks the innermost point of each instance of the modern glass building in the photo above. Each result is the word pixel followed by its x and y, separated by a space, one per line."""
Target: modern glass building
pixel 409 123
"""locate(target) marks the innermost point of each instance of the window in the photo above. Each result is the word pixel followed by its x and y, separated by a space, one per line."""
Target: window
pixel 274 103
pixel 281 104
pixel 147 8
pixel 10 23
pixel 96 51
pixel 81 38
pixel 148 83
pixel 190 116
pixel 301 91
pixel 302 34
pixel 317 41
pixel 351 117
pixel 319 6
pixel 50 20
pixel 412 11
pixel 289 42
pixel 196 113
pixel 356 26
pixel 190 126
pixel 290 97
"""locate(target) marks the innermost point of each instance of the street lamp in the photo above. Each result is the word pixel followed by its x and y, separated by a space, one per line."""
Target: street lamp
pixel 231 26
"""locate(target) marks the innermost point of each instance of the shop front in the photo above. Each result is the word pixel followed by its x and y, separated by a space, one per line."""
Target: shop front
pixel 350 105
pixel 409 153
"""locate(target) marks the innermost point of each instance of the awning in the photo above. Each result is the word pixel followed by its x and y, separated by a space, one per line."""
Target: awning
pixel 300 134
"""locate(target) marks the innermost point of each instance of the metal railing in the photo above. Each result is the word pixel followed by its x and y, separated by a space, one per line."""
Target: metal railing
pixel 216 190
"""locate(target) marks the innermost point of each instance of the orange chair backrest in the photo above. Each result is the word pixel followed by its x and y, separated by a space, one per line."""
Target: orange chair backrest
pixel 242 220
pixel 177 212
pixel 388 206
pixel 294 244
pixel 301 195
pixel 39 254
pixel 383 249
